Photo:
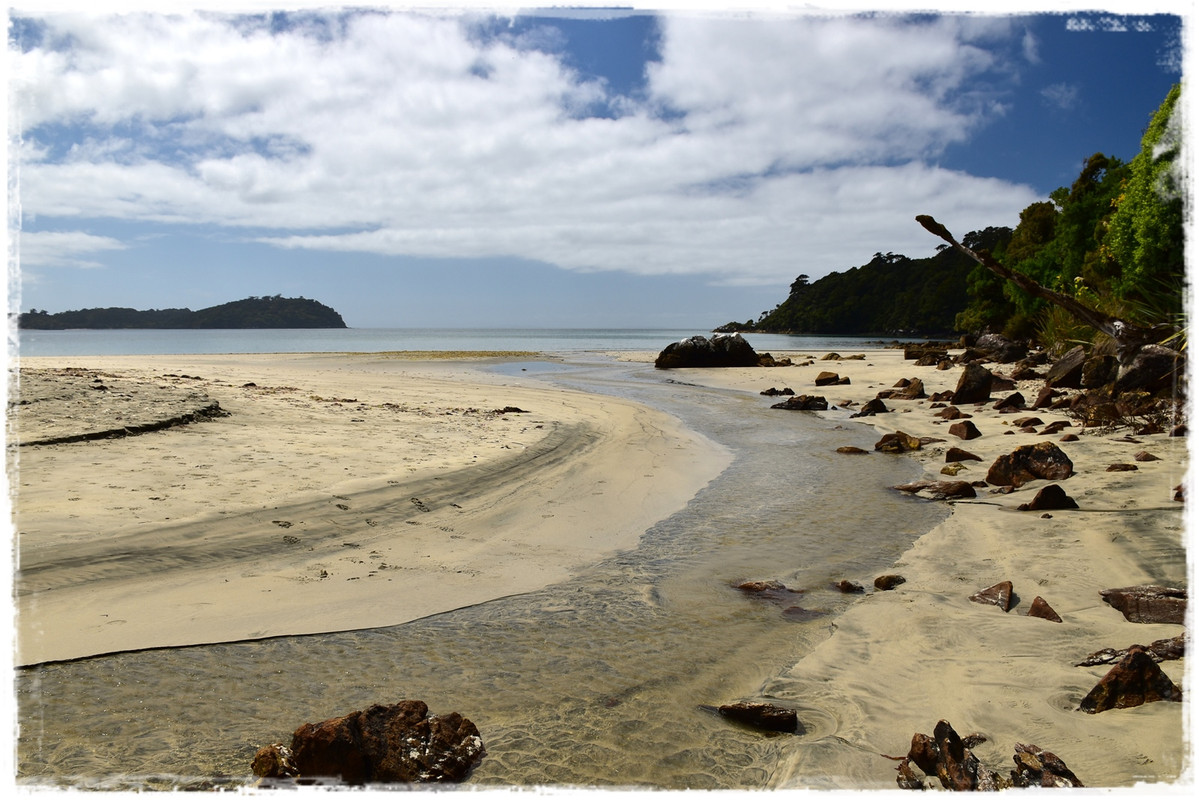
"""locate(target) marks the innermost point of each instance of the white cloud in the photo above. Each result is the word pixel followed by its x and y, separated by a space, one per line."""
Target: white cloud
pixel 762 143
pixel 1062 96
pixel 64 248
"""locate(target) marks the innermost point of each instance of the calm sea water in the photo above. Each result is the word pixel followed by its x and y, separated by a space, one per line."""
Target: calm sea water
pixel 374 340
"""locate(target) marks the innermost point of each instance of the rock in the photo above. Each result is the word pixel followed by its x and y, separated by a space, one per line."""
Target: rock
pixel 831 357
pixel 827 379
pixel 1160 650
pixel 1136 680
pixel 767 360
pixel 762 715
pixel 946 756
pixel 1045 397
pixel 1044 460
pixel 952 469
pixel 1144 456
pixel 1054 427
pixel 274 761
pixel 898 442
pixel 721 350
pixel 1153 369
pixel 1028 422
pixel 1066 372
pixel 1150 603
pixel 885 583
pixel 906 389
pixel 389 744
pixel 998 595
pixel 1001 349
pixel 1050 498
pixel 872 407
pixel 769 590
pixel 1012 401
pixel 940 490
pixel 958 454
pixel 1037 767
pixel 1069 437
pixel 1098 371
pixel 849 587
pixel 919 351
pixel 953 412
pixel 1041 609
pixel 974 386
pixel 773 392
pixel 851 450
pixel 1122 468
pixel 803 402
pixel 1001 384
pixel 965 430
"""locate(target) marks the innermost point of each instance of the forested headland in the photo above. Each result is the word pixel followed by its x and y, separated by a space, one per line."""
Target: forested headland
pixel 253 312
pixel 1113 241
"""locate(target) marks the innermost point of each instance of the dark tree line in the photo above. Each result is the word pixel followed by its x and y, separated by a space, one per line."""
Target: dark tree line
pixel 253 312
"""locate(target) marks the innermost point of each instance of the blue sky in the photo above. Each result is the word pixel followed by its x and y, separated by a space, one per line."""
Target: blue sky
pixel 573 168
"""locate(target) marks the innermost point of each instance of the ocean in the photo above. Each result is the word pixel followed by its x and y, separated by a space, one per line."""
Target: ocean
pixel 605 680
pixel 374 340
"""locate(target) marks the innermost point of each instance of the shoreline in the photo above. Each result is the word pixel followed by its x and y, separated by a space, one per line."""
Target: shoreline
pixel 884 672
pixel 409 492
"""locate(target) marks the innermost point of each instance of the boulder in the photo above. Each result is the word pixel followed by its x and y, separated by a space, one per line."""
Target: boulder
pixel 898 442
pixel 1136 680
pixel 946 755
pixel 803 402
pixel 1153 369
pixel 1000 349
pixel 721 350
pixel 952 412
pixel 1050 498
pixel 1042 610
pixel 1055 427
pixel 400 743
pixel 849 587
pixel 769 590
pixel 871 407
pixel 958 454
pixel 1066 372
pixel 885 583
pixel 1037 767
pixel 906 389
pixel 767 360
pixel 1045 397
pixel 827 379
pixel 762 715
pixel 1098 371
pixel 919 351
pixel 773 392
pixel 274 761
pixel 965 430
pixel 974 385
pixel 1044 460
pixel 1015 400
pixel 1145 455
pixel 998 595
pixel 1148 603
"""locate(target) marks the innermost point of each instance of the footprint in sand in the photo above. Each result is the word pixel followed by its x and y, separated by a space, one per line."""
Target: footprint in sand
pixel 420 506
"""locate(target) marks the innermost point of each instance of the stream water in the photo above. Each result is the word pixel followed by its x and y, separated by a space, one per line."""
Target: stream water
pixel 600 681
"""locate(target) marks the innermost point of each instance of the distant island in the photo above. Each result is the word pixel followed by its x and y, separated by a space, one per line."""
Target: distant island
pixel 253 312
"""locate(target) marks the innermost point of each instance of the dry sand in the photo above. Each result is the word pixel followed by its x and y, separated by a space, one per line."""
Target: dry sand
pixel 903 659
pixel 341 492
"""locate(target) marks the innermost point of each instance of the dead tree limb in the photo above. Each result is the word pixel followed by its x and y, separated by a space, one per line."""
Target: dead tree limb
pixel 1129 338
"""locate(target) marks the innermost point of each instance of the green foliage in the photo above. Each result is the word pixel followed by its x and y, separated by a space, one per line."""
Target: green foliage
pixel 253 312
pixel 891 294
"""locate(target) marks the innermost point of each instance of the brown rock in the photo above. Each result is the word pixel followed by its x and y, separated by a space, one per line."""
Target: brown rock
pixel 827 378
pixel 1069 437
pixel 1160 650
pixel 998 595
pixel 389 744
pixel 885 583
pixel 803 402
pixel 762 715
pixel 946 756
pixel 1028 422
pixel 1043 460
pixel 1136 680
pixel 965 430
pixel 1045 397
pixel 1122 468
pixel 871 407
pixel 1037 767
pixel 952 412
pixel 851 450
pixel 898 442
pixel 1050 498
pixel 849 587
pixel 1066 372
pixel 1043 610
pixel 1054 427
pixel 1014 400
pixel 974 386
pixel 958 454
pixel 940 490
pixel 1144 456
pixel 274 761
pixel 1149 603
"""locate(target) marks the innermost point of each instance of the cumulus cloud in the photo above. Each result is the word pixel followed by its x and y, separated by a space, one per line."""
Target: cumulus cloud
pixel 64 248
pixel 755 142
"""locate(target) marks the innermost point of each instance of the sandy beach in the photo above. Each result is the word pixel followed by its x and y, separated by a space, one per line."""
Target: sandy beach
pixel 340 492
pixel 901 660
pixel 347 492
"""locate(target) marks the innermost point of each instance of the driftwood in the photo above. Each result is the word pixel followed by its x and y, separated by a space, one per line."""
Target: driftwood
pixel 1128 337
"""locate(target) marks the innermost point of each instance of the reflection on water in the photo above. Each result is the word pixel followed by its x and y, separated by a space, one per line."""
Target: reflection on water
pixel 597 682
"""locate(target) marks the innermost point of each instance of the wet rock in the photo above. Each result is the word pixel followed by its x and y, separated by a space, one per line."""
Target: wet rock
pixel 1066 372
pixel 773 392
pixel 400 743
pixel 803 402
pixel 885 583
pixel 974 386
pixel 1037 767
pixel 898 442
pixel 958 454
pixel 851 450
pixel 1041 609
pixel 1148 603
pixel 721 350
pixel 946 756
pixel 953 469
pixel 1136 680
pixel 762 715
pixel 872 407
pixel 849 587
pixel 1043 460
pixel 1049 498
pixel 998 595
pixel 940 490
pixel 769 590
pixel 965 430
pixel 274 761
pixel 1160 650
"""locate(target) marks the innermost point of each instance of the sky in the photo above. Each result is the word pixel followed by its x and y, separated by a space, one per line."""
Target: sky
pixel 656 167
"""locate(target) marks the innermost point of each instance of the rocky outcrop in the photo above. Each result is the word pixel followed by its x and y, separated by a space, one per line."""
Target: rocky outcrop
pixel 1044 461
pixel 1154 368
pixel 1136 680
pixel 1149 603
pixel 721 350
pixel 400 743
